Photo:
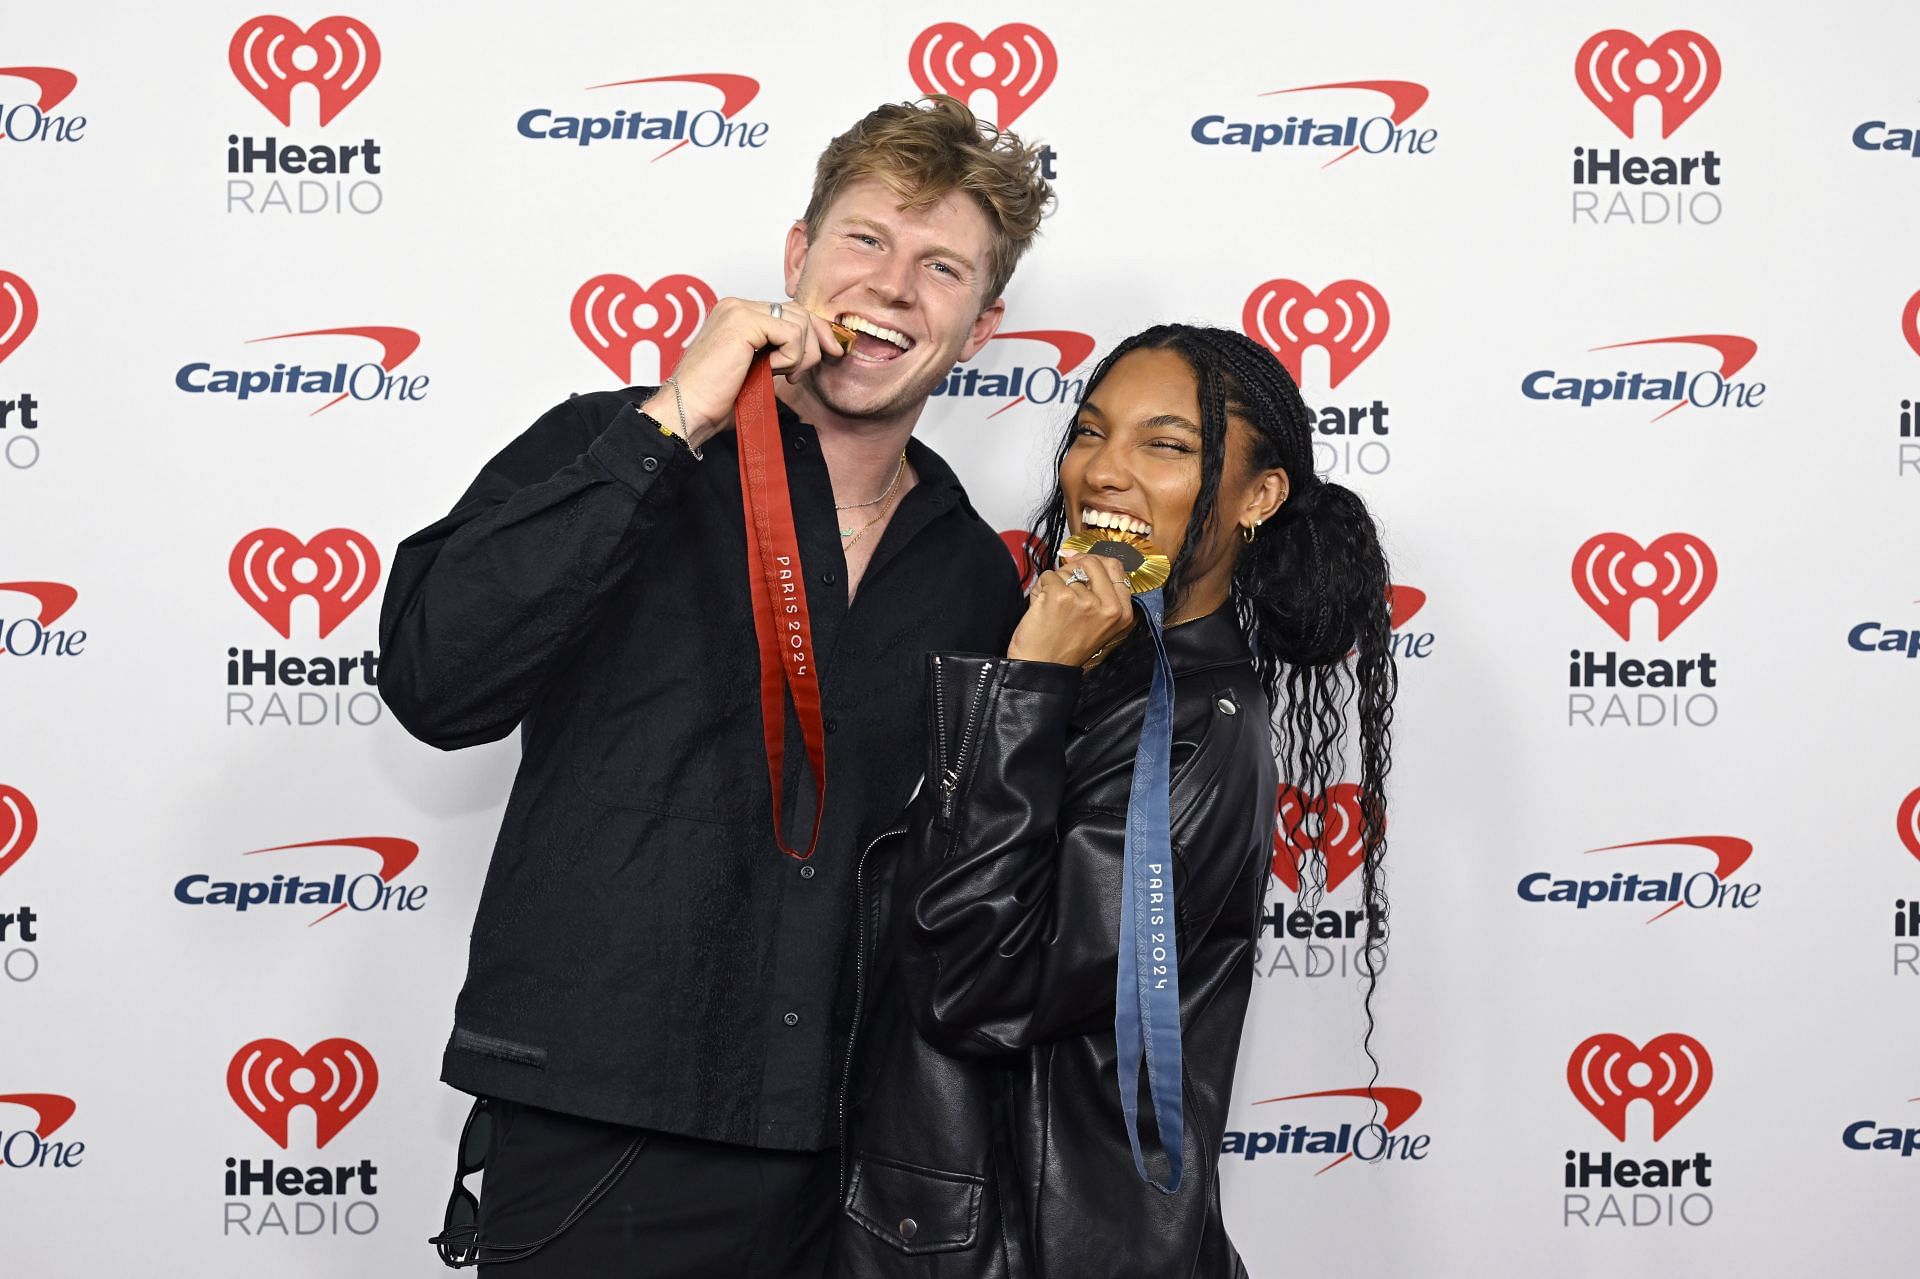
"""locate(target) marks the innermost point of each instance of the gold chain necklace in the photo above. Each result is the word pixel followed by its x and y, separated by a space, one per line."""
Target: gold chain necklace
pixel 899 469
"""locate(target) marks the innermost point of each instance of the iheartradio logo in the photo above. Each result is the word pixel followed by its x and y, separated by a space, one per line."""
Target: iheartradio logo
pixel 1029 554
pixel 1347 319
pixel 1013 63
pixel 1680 71
pixel 1908 823
pixel 1909 325
pixel 1671 1074
pixel 338 56
pixel 19 312
pixel 612 314
pixel 18 825
pixel 1611 572
pixel 271 568
pixel 335 1078
pixel 1332 823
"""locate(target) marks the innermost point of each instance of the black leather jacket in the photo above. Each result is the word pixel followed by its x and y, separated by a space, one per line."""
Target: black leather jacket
pixel 985 1136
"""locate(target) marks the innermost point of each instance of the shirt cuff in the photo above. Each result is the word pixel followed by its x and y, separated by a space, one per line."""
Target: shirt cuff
pixel 636 450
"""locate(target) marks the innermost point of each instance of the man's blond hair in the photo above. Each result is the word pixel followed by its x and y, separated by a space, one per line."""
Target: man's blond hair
pixel 925 150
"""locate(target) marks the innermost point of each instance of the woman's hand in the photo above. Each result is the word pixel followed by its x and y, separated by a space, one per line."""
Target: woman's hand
pixel 1069 620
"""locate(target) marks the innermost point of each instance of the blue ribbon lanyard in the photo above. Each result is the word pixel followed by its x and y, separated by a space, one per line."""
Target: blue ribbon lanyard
pixel 1146 1014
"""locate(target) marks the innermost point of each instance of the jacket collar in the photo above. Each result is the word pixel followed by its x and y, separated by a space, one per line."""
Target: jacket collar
pixel 1205 642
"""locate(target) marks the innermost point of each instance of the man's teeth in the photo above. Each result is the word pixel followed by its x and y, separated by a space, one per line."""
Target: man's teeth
pixel 861 324
pixel 1112 520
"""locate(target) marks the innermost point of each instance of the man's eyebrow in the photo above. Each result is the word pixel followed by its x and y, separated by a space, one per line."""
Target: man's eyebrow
pixel 936 251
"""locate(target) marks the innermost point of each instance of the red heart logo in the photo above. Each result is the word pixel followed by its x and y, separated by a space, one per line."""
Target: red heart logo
pixel 18 825
pixel 1015 62
pixel 1681 574
pixel 342 58
pixel 1615 69
pixel 1347 319
pixel 1339 840
pixel 1678 1074
pixel 342 566
pixel 612 315
pixel 341 1081
pixel 1910 323
pixel 19 312
pixel 1909 822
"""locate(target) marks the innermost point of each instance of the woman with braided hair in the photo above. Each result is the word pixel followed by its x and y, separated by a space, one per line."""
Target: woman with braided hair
pixel 1056 942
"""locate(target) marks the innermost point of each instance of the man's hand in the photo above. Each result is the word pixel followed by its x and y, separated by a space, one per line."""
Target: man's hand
pixel 1068 620
pixel 713 369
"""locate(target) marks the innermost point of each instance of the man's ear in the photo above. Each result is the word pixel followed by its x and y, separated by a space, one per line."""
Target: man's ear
pixel 796 256
pixel 985 325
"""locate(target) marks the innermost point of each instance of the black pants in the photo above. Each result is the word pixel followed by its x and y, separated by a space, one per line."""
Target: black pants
pixel 685 1209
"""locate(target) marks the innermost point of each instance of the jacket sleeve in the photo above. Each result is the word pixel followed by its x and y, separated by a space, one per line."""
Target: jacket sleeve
pixel 482 606
pixel 1005 920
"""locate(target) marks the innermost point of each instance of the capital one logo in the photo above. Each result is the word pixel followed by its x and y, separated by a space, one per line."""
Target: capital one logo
pixel 1014 62
pixel 1347 319
pixel 51 1111
pixel 1607 1073
pixel 27 636
pixel 270 56
pixel 1680 71
pixel 271 568
pixel 1403 602
pixel 53 83
pixel 1404 97
pixel 612 314
pixel 1612 572
pixel 269 1078
pixel 1398 1105
pixel 18 825
pixel 1041 384
pixel 1333 823
pixel 19 312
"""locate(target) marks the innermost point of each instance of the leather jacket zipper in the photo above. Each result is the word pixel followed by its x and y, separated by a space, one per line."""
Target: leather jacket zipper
pixel 949 783
pixel 864 926
pixel 950 774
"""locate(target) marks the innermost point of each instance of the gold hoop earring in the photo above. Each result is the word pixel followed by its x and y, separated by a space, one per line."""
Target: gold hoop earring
pixel 1248 532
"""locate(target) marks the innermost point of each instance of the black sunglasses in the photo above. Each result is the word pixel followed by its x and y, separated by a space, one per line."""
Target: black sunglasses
pixel 458 1242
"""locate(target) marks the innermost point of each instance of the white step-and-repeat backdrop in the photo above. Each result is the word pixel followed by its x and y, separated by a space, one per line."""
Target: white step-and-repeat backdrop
pixel 1612 310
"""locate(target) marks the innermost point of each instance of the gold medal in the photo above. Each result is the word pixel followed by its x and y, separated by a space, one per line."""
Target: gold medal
pixel 1146 565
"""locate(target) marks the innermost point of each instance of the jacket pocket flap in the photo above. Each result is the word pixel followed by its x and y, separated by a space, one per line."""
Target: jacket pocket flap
pixel 915 1209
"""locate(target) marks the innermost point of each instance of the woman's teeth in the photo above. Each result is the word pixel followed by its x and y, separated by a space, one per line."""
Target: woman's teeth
pixel 860 324
pixel 1109 519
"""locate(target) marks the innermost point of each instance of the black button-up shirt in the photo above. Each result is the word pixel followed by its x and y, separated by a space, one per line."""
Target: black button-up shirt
pixel 643 952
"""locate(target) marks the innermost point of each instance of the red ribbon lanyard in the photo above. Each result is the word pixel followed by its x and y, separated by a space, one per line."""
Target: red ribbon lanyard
pixel 781 622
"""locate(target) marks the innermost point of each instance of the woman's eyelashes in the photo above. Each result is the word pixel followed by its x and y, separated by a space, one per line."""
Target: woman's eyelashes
pixel 1165 444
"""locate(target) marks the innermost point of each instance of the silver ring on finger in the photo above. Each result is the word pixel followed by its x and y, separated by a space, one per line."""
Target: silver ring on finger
pixel 773 309
pixel 1078 576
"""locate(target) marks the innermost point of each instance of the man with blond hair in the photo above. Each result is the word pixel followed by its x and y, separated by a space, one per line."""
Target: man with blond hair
pixel 655 1012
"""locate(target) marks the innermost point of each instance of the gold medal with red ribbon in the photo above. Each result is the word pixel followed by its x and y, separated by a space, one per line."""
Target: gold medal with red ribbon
pixel 781 623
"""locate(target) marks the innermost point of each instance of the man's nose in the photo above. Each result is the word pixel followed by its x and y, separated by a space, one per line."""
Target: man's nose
pixel 892 280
